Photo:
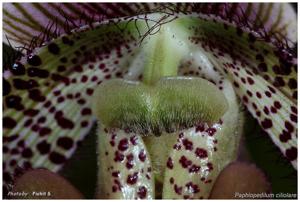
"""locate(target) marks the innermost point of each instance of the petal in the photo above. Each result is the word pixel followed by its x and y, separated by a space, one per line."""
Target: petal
pixel 263 73
pixel 201 152
pixel 125 170
pixel 47 94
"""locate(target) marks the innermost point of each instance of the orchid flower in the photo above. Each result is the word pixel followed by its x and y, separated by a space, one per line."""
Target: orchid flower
pixel 165 83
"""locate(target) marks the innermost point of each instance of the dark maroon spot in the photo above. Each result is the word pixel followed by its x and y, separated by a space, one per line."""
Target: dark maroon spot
pixel 267 123
pixel 65 143
pixel 43 147
pixel 41 119
pixel 20 84
pixel 28 123
pixel 200 128
pixel 177 189
pixel 185 162
pixel 31 112
pixel 277 104
pixel 123 144
pixel 47 104
pixel 194 169
pixel 278 82
pixel 295 95
pixel 289 126
pixel 112 143
pixel 102 66
pixel 84 124
pixel 249 93
pixel 142 155
pixel 210 166
pixel 115 174
pixel 187 144
pixel 245 99
pixel 193 188
pixel 45 131
pixel 65 123
pixel 177 146
pixel 10 138
pixel 291 153
pixel 34 60
pixel 236 84
pixel 14 151
pixel 89 91
pixel 9 122
pixel 21 143
pixel 273 110
pixel 292 83
pixel 35 95
pixel 268 94
pixel 57 158
pixel 53 48
pixel 142 192
pixel 17 69
pixel 293 118
pixel 171 180
pixel 84 79
pixel 81 101
pixel 114 189
pixel 132 179
pixel 27 165
pixel 129 163
pixel 201 153
pixel 258 94
pixel 57 77
pixel 35 128
pixel 86 111
pixel 263 67
pixel 36 72
pixel 61 68
pixel 6 87
pixel 211 131
pixel 259 57
pixel 118 157
pixel 65 40
pixel 14 102
pixel 208 181
pixel 285 136
pixel 266 110
pixel 170 163
pixel 60 99
pixel 27 153
pixel 78 68
pixel 250 80
pixel 133 140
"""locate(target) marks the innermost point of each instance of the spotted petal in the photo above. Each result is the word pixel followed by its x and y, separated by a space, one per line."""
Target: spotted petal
pixel 264 76
pixel 125 170
pixel 200 153
pixel 47 94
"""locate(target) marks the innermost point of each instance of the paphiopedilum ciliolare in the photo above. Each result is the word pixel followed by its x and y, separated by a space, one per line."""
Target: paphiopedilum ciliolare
pixel 165 81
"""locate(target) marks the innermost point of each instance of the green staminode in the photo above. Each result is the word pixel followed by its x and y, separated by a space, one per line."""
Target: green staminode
pixel 170 103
